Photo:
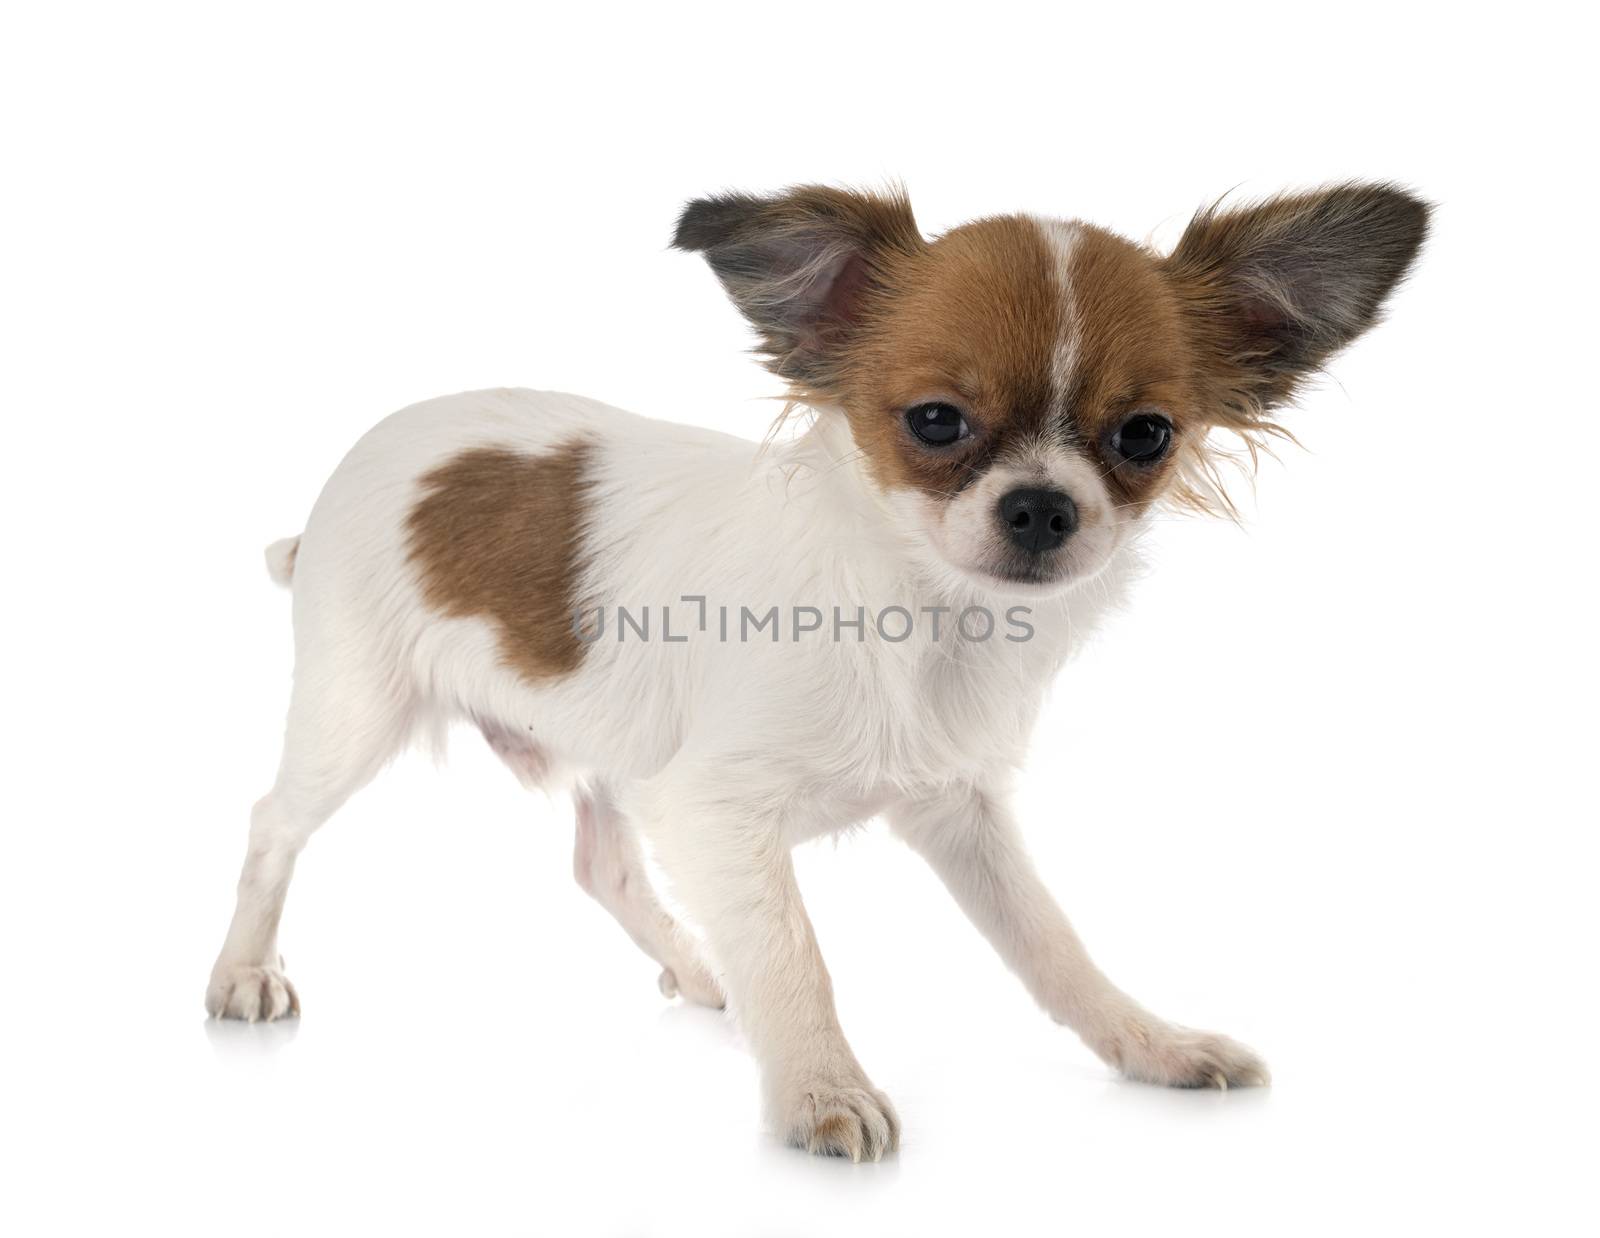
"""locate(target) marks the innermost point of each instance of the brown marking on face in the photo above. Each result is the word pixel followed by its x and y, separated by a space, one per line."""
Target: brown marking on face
pixel 854 307
pixel 1131 354
pixel 496 536
pixel 973 318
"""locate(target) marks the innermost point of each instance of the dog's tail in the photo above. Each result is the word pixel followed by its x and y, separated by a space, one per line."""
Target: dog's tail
pixel 280 560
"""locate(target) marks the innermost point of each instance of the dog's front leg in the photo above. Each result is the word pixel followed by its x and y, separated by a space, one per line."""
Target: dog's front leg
pixel 969 839
pixel 730 868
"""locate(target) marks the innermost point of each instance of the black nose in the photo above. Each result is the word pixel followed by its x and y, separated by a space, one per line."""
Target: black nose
pixel 1039 520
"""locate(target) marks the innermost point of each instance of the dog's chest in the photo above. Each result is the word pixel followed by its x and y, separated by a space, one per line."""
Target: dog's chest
pixel 907 727
pixel 952 711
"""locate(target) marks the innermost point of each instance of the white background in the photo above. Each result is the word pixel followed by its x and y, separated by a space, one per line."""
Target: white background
pixel 1326 787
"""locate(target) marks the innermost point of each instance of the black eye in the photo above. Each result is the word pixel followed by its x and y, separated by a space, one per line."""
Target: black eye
pixel 1143 439
pixel 938 425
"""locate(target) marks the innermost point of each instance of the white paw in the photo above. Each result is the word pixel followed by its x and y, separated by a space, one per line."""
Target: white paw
pixel 841 1119
pixel 1151 1051
pixel 255 994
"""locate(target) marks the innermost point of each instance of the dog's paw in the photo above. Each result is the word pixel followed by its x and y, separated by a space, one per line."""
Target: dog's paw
pixel 255 994
pixel 1151 1051
pixel 694 983
pixel 848 1119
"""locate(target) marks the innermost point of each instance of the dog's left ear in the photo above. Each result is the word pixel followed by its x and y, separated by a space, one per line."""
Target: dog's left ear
pixel 1271 292
pixel 805 266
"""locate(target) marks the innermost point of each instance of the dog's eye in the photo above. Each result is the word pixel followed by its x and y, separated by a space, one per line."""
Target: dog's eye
pixel 937 424
pixel 1143 438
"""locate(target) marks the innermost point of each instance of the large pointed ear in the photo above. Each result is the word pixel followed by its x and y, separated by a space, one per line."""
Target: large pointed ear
pixel 804 266
pixel 1271 292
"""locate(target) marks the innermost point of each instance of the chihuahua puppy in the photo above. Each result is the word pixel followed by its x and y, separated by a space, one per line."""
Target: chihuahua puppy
pixel 735 647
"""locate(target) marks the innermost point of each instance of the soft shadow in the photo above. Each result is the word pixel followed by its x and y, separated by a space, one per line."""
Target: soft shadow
pixel 1189 1104
pixel 838 1172
pixel 234 1040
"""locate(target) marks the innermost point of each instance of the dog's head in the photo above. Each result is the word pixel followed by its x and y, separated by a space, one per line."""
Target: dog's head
pixel 1024 390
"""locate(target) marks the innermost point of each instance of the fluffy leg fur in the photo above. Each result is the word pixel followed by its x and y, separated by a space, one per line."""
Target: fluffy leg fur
pixel 609 865
pixel 731 867
pixel 344 723
pixel 971 842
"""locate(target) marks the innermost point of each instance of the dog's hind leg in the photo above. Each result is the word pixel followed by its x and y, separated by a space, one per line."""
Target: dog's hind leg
pixel 345 721
pixel 609 865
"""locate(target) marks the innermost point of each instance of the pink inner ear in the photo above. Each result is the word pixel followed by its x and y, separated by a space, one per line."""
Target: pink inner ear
pixel 843 298
pixel 1259 316
pixel 1269 329
pixel 835 302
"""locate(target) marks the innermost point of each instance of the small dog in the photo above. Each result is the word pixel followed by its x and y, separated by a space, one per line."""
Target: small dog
pixel 736 647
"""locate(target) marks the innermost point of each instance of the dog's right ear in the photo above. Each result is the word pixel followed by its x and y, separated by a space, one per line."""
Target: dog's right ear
pixel 804 266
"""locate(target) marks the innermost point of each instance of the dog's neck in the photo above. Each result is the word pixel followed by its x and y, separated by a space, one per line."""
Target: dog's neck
pixel 825 468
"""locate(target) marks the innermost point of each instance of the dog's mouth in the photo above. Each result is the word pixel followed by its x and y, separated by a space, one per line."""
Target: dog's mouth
pixel 1041 575
pixel 1026 579
pixel 1031 573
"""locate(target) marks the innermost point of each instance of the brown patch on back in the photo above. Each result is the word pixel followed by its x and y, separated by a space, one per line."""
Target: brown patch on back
pixel 1131 352
pixel 496 536
pixel 975 316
